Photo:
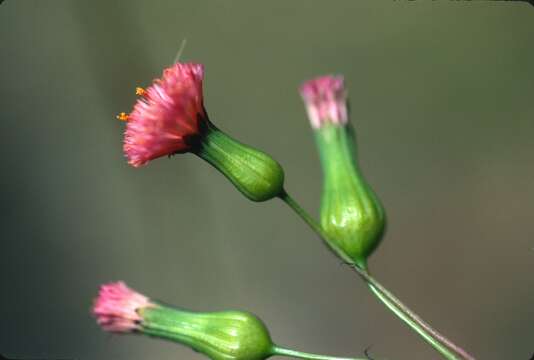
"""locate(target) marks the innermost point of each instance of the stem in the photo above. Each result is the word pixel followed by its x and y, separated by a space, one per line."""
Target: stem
pixel 415 326
pixel 389 299
pixel 285 197
pixel 302 355
pixel 439 342
pixel 303 214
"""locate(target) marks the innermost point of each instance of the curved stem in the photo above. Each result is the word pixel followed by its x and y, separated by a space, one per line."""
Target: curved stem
pixel 302 355
pixel 439 342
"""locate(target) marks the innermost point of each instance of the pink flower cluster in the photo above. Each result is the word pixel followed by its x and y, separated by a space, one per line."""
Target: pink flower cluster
pixel 116 307
pixel 326 100
pixel 168 116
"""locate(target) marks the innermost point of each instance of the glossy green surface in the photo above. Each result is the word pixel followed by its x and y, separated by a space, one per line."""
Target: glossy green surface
pixel 351 214
pixel 219 335
pixel 255 174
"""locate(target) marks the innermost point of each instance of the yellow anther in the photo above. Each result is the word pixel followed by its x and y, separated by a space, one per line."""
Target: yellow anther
pixel 140 91
pixel 123 116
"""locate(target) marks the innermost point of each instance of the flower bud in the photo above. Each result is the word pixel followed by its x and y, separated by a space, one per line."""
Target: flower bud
pixel 219 335
pixel 351 214
pixel 169 118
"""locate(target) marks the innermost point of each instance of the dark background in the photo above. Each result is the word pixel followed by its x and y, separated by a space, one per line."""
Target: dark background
pixel 442 98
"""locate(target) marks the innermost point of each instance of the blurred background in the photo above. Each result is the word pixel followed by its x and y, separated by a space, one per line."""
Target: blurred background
pixel 442 99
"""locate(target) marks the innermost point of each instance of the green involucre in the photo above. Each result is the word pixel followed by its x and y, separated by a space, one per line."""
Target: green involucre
pixel 229 335
pixel 351 214
pixel 255 174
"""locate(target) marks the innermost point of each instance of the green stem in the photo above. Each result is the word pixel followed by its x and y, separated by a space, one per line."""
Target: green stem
pixel 302 355
pixel 423 327
pixel 415 326
pixel 439 342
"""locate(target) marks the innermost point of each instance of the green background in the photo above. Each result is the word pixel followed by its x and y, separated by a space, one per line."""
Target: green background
pixel 441 96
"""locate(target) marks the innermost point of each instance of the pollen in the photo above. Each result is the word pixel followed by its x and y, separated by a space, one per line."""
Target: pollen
pixel 140 91
pixel 123 116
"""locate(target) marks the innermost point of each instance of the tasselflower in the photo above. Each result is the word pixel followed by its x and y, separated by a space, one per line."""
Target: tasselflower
pixel 222 335
pixel 169 118
pixel 351 214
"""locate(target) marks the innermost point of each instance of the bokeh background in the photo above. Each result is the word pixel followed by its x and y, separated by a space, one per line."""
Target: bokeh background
pixel 442 98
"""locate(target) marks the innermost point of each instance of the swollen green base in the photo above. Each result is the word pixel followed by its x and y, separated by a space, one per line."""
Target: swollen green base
pixel 351 214
pixel 228 335
pixel 255 174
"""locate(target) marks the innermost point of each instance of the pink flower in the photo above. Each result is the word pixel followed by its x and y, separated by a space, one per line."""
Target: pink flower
pixel 116 307
pixel 168 117
pixel 326 100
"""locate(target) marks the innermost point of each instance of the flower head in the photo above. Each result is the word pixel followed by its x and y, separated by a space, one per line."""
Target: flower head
pixel 168 116
pixel 352 216
pixel 116 307
pixel 326 100
pixel 221 335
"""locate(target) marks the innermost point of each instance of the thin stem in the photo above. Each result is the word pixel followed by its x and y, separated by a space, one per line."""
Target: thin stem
pixel 439 342
pixel 415 326
pixel 285 197
pixel 384 294
pixel 302 213
pixel 302 355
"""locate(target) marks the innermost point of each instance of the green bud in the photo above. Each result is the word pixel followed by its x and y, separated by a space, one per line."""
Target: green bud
pixel 351 213
pixel 255 174
pixel 229 335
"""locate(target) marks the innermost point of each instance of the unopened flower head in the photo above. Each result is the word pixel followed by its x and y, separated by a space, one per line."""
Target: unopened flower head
pixel 222 335
pixel 351 213
pixel 167 118
pixel 326 100
pixel 117 307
